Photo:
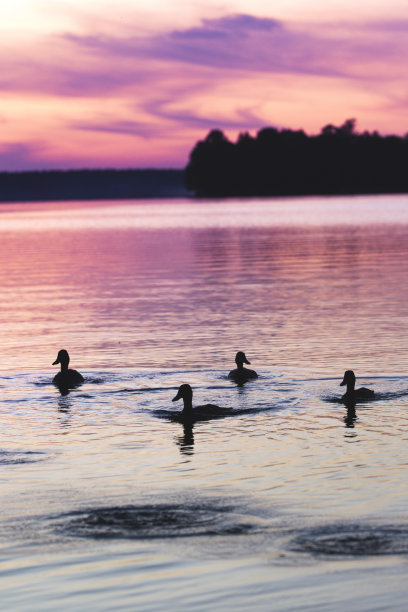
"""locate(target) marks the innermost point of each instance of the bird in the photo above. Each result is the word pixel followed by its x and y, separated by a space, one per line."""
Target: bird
pixel 66 378
pixel 185 393
pixel 353 394
pixel 241 374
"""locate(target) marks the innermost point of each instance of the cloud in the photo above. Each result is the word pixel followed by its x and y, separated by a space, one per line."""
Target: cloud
pixel 233 42
pixel 236 42
pixel 243 118
pixel 19 155
pixel 251 44
pixel 129 128
pixel 96 63
pixel 218 29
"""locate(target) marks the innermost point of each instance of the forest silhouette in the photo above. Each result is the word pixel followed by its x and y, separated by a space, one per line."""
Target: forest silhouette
pixel 285 162
pixel 102 184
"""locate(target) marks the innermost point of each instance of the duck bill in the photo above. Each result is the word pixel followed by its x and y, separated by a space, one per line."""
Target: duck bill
pixel 177 397
pixel 343 383
pixel 56 361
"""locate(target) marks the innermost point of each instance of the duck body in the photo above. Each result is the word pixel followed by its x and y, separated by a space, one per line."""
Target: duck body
pixel 352 394
pixel 66 377
pixel 241 374
pixel 204 411
pixel 358 394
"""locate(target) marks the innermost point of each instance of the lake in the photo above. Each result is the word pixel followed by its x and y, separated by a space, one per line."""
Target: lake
pixel 291 501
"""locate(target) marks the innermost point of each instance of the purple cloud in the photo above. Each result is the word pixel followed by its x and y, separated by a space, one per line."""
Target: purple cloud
pixel 17 155
pixel 247 43
pixel 24 156
pixel 252 44
pixel 234 42
pixel 220 28
pixel 98 64
pixel 130 128
pixel 163 109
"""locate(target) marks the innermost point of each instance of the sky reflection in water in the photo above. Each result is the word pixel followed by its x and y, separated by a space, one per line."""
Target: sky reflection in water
pixel 146 296
pixel 187 284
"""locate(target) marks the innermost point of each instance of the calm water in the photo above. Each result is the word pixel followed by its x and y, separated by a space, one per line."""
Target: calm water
pixel 291 501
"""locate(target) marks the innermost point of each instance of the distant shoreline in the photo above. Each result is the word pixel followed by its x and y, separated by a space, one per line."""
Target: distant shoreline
pixel 60 185
pixel 99 185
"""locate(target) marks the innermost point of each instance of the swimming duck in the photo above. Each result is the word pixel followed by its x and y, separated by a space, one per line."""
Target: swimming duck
pixel 241 374
pixel 353 394
pixel 66 378
pixel 185 393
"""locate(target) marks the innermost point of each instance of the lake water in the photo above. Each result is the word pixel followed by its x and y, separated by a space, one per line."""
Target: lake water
pixel 290 502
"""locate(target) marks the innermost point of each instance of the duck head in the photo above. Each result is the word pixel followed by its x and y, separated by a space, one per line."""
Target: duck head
pixel 240 359
pixel 349 379
pixel 63 359
pixel 185 393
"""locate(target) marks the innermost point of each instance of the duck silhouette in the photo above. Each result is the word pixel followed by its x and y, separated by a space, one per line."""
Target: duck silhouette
pixel 66 378
pixel 185 393
pixel 352 394
pixel 241 374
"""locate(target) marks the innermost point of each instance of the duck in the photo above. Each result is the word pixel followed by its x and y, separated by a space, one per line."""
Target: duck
pixel 66 377
pixel 353 394
pixel 241 374
pixel 185 393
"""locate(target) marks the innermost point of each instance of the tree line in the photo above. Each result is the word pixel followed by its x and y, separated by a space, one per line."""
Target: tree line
pixel 90 184
pixel 286 162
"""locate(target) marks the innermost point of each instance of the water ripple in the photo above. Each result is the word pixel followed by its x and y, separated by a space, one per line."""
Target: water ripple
pixel 149 521
pixel 20 456
pixel 352 539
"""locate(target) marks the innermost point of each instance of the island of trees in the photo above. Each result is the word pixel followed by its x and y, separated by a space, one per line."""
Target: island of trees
pixel 285 162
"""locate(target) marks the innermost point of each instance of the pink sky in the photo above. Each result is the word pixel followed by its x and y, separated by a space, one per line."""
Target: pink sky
pixel 136 84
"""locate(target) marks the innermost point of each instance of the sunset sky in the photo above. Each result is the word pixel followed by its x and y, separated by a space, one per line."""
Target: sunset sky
pixel 132 83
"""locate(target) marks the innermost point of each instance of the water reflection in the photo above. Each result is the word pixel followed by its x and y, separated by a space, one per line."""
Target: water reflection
pixel 186 441
pixel 351 416
pixel 161 294
pixel 157 291
pixel 64 404
pixel 63 389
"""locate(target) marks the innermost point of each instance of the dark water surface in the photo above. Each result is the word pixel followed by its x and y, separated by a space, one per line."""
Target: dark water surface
pixel 289 501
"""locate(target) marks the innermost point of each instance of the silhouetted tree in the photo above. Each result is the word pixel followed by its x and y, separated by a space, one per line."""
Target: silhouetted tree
pixel 288 162
pixel 347 129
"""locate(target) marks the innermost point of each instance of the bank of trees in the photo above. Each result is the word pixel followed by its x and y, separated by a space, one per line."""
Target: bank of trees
pixel 104 184
pixel 285 162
